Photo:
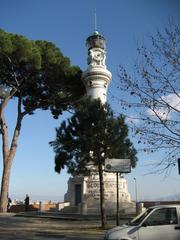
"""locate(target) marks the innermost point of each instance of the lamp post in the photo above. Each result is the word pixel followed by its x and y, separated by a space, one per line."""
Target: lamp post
pixel 136 195
pixel 117 214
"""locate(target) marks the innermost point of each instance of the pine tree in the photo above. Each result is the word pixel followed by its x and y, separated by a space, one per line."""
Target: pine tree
pixel 37 76
pixel 92 134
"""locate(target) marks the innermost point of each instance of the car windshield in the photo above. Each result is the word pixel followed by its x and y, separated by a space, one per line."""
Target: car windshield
pixel 137 220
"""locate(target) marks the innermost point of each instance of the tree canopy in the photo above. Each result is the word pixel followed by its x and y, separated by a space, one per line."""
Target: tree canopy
pixel 38 76
pixel 92 134
pixel 38 73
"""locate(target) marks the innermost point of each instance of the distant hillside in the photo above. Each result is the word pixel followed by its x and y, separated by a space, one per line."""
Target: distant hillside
pixel 174 197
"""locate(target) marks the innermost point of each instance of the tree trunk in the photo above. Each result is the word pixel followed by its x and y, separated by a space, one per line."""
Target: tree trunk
pixel 102 201
pixel 5 186
pixel 7 168
pixel 8 154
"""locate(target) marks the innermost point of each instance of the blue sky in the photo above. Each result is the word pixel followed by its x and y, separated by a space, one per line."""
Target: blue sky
pixel 67 24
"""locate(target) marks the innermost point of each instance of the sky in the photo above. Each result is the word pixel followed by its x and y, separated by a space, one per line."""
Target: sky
pixel 67 24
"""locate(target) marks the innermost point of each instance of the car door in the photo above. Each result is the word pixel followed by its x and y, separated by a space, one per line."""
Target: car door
pixel 160 225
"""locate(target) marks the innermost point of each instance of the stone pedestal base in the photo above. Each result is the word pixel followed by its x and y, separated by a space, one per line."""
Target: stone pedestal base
pixel 84 196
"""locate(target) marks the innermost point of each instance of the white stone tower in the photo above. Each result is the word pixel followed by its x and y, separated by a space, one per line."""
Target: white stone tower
pixel 96 78
pixel 83 192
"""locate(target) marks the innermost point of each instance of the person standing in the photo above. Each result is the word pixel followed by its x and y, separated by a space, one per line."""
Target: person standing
pixel 9 204
pixel 26 201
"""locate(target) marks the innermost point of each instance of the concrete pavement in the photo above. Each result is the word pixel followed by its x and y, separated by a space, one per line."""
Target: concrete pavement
pixel 29 227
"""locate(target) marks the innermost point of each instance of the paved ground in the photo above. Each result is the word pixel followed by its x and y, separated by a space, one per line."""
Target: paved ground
pixel 50 228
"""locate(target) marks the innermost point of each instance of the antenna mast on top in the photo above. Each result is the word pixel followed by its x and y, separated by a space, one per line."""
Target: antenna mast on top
pixel 95 20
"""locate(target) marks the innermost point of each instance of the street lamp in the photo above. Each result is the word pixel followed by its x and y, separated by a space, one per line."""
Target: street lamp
pixel 136 195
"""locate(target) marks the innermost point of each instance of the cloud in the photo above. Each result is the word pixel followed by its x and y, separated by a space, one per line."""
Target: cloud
pixel 170 104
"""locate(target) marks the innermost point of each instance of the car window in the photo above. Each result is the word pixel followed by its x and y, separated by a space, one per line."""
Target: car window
pixel 137 220
pixel 163 216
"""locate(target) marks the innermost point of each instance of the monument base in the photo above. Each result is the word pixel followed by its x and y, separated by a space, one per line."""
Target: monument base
pixel 83 194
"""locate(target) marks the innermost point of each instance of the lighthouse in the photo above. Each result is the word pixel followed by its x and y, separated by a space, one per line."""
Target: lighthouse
pixel 96 78
pixel 83 194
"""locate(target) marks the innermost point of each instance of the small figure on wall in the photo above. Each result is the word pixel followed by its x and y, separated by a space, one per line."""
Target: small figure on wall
pixel 26 202
pixel 9 204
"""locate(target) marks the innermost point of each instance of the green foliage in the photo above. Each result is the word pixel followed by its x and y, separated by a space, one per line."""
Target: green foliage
pixel 42 76
pixel 38 76
pixel 92 134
